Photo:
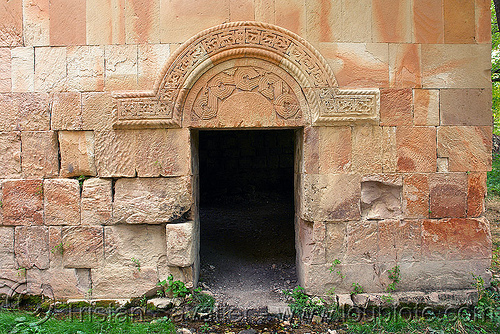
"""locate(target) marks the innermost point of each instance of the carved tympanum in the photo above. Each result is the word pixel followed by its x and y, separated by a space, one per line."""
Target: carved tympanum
pixel 245 79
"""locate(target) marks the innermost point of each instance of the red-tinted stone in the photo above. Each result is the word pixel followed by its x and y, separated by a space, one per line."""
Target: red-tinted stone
pixel 476 194
pixel 416 149
pixel 416 196
pixel 22 202
pixel 396 107
pixel 448 195
pixel 31 246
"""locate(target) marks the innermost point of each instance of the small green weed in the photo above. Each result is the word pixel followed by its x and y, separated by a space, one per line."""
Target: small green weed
pixel 395 277
pixel 137 263
pixel 302 303
pixel 357 289
pixel 175 288
pixel 58 249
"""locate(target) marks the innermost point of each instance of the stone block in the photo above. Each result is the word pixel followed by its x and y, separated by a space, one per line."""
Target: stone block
pixel 31 247
pixel 97 111
pixel 146 244
pixel 335 241
pixel 380 200
pixel 426 107
pixel 323 24
pixel 77 153
pixel 367 154
pixel 9 104
pixel 442 165
pixel 85 66
pixel 448 195
pixel 61 201
pixel 120 67
pixel 476 193
pixel 83 246
pixel 468 148
pixel 357 64
pixel 362 242
pixel 483 21
pixel 180 19
pixel 23 69
pixel 387 234
pixel 152 58
pixel 456 66
pixel 396 107
pixel 428 21
pixel 142 21
pixel 309 146
pixel 10 155
pixel 114 282
pixel 317 279
pixel 311 242
pixel 56 283
pixel 465 107
pixel 357 21
pixel 96 202
pixel 330 197
pixel 11 30
pixel 456 239
pixel 459 21
pixel 5 70
pixel 181 244
pixel 334 149
pixel 56 247
pixel 67 22
pixel 241 10
pixel 291 15
pixel 22 202
pixel 391 21
pixel 34 111
pixel 404 65
pixel 163 152
pixel 50 69
pixel 7 260
pixel 389 149
pixel 36 22
pixel 264 11
pixel 408 240
pixel 105 22
pixel 151 200
pixel 40 156
pixel 66 111
pixel 416 195
pixel 416 149
pixel 114 153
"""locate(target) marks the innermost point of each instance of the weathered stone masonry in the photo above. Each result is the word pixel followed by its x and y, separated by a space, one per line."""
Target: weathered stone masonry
pixel 391 102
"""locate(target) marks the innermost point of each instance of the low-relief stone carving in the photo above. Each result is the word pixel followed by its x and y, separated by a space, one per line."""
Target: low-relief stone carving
pixel 245 79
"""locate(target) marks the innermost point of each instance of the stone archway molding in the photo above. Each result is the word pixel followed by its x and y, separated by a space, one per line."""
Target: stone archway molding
pixel 163 106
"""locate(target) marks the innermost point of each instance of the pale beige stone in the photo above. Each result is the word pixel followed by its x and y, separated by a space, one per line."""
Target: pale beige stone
pixel 456 66
pixel 335 241
pixel 311 242
pixel 23 69
pixel 22 202
pixel 9 104
pixel 389 149
pixel 10 155
pixel 7 248
pixel 11 16
pixel 362 242
pixel 105 22
pixel 152 58
pixel 465 107
pixel 334 149
pixel 1 205
pixel 323 24
pixel 5 70
pixel 56 283
pixel 426 108
pixel 36 22
pixel 77 153
pixel 135 245
pixel 39 154
pixel 96 203
pixel 50 69
pixel 97 111
pixel 367 149
pixel 404 65
pixel 31 247
pixel 380 200
pixel 34 111
pixel 443 165
pixel 83 246
pixel 114 282
pixel 264 11
pixel 330 197
pixel 151 200
pixel 142 21
pixel 357 21
pixel 291 15
pixel 241 10
pixel 181 244
pixel 120 67
pixel 114 153
pixel 61 201
pixel 85 66
pixel 66 111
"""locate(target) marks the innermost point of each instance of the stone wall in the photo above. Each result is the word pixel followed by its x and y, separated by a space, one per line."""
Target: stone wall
pixel 403 184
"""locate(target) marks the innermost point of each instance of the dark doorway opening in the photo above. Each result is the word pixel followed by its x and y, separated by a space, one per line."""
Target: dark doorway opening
pixel 247 240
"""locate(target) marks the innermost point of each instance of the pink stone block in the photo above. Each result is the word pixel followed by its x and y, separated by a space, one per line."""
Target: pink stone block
pixel 142 21
pixel 11 28
pixel 483 21
pixel 67 22
pixel 428 21
pixel 459 21
pixel 416 149
pixel 241 10
pixel 39 154
pixel 404 65
pixel 31 246
pixel 61 202
pixel 448 195
pixel 476 194
pixel 392 21
pixel 291 15
pixel 83 246
pixel 396 107
pixel 5 70
pixel 22 202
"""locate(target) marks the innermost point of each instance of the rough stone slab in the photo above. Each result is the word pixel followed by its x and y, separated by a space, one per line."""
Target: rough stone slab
pixel 114 153
pixel 309 150
pixel 146 244
pixel 85 68
pixel 362 242
pixel 396 107
pixel 7 248
pixel 317 278
pixel 67 22
pixel 426 108
pixel 22 202
pixel 416 195
pixel 31 246
pixel 96 203
pixel 476 193
pixel 83 246
pixel 12 280
pixel 9 103
pixel 330 197
pixel 66 111
pixel 121 67
pixel 465 107
pixel 97 111
pixel 408 240
pixel 10 155
pixel 61 201
pixel 34 111
pixel 381 198
pixel 152 58
pixel 416 149
pixel 151 200
pixel 55 283
pixel 23 69
pixel 334 149
pixel 468 148
pixel 311 242
pixel 404 65
pixel 367 154
pixel 123 282
pixel 335 241
pixel 40 155
pixel 5 70
pixel 142 22
pixel 50 69
pixel 56 247
pixel 456 239
pixel 448 195
pixel 181 244
pixel 77 153
pixel 36 22
pixel 11 30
